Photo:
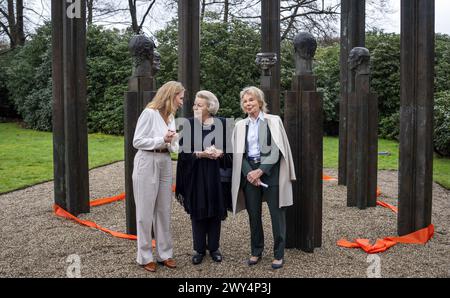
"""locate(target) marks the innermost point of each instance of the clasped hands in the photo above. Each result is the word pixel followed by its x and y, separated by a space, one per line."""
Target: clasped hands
pixel 210 153
pixel 254 177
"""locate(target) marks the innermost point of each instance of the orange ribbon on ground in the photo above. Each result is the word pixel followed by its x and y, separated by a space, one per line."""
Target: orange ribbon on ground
pixel 419 237
pixel 381 245
pixel 63 213
pixel 328 178
pixel 105 201
pixel 99 202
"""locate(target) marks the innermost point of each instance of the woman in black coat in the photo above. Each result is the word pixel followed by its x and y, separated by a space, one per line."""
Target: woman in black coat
pixel 203 184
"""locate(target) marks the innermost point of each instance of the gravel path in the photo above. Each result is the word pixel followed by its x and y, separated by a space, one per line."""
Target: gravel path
pixel 35 243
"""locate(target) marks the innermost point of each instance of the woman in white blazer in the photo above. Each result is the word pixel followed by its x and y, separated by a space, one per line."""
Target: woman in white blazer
pixel 262 169
pixel 155 137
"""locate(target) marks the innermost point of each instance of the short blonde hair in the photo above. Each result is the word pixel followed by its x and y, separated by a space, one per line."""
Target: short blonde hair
pixel 211 101
pixel 164 98
pixel 260 97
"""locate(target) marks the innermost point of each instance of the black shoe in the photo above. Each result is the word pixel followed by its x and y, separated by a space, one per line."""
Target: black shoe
pixel 250 262
pixel 216 256
pixel 278 266
pixel 197 258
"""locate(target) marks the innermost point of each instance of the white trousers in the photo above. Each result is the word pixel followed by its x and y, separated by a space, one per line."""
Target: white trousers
pixel 152 187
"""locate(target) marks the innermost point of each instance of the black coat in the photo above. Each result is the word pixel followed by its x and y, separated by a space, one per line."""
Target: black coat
pixel 202 185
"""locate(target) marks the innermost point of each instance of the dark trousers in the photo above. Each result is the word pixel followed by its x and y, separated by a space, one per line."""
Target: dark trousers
pixel 253 201
pixel 206 231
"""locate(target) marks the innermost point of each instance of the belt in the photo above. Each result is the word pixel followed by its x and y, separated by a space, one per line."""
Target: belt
pixel 158 151
pixel 254 159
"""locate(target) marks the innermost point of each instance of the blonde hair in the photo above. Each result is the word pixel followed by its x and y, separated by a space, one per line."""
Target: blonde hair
pixel 211 101
pixel 165 97
pixel 259 94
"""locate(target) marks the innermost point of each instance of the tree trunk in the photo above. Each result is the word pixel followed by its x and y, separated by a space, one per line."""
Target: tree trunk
pixel 12 24
pixel 90 8
pixel 202 13
pixel 226 11
pixel 20 35
pixel 134 22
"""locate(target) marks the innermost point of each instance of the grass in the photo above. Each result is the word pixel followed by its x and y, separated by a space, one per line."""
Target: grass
pixel 26 156
pixel 441 165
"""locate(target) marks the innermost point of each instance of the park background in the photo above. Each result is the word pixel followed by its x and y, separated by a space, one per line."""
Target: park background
pixel 36 243
pixel 228 48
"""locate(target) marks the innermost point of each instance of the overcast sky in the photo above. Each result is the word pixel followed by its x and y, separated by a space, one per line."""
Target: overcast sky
pixel 442 17
pixel 159 16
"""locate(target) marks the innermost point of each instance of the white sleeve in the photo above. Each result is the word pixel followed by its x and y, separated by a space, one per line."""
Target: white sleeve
pixel 142 140
pixel 174 145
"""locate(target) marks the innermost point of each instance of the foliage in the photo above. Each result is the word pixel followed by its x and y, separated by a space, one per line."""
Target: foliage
pixel 328 82
pixel 227 60
pixel 109 67
pixel 442 123
pixel 29 81
pixel 227 65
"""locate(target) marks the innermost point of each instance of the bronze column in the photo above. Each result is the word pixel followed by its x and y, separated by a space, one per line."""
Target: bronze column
pixel 416 115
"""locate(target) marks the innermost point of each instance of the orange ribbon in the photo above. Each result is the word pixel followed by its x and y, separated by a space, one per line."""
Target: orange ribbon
pixel 328 178
pixel 419 237
pixel 59 211
pixel 63 213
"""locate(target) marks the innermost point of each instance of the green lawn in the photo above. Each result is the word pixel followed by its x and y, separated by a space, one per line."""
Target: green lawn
pixel 26 156
pixel 441 165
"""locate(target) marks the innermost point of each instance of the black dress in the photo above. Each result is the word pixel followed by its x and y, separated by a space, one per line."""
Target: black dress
pixel 203 186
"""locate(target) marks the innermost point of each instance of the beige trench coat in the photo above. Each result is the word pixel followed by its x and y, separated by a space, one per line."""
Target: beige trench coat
pixel 287 171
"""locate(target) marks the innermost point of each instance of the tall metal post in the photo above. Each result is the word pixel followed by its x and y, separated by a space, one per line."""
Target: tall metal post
pixel 141 90
pixel 353 16
pixel 70 106
pixel 270 43
pixel 189 51
pixel 362 134
pixel 416 115
pixel 304 127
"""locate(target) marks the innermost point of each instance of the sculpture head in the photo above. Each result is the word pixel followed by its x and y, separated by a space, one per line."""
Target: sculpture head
pixel 156 66
pixel 359 60
pixel 266 61
pixel 305 45
pixel 141 49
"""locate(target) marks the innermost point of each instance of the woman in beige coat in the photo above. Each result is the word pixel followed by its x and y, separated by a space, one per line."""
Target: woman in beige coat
pixel 262 168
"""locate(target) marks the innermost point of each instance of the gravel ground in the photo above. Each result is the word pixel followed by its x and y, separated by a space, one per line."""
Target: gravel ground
pixel 35 243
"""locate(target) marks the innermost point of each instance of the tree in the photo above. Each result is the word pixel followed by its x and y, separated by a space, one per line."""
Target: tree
pixel 315 16
pixel 11 22
pixel 104 11
pixel 137 27
pixel 227 59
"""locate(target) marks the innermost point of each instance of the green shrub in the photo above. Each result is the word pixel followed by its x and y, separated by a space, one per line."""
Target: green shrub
pixel 108 68
pixel 328 82
pixel 29 80
pixel 442 69
pixel 389 127
pixel 227 60
pixel 442 123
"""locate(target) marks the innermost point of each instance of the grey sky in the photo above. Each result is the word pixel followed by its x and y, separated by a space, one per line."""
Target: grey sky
pixel 161 14
pixel 442 17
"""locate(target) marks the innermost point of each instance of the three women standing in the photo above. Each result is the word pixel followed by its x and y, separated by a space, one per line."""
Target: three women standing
pixel 155 137
pixel 262 169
